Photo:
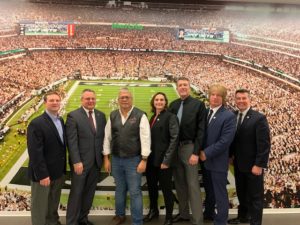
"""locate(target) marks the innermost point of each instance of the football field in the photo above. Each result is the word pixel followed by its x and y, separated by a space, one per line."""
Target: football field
pixel 107 94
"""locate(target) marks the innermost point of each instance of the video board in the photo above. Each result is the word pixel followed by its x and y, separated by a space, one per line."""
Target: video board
pixel 204 34
pixel 47 28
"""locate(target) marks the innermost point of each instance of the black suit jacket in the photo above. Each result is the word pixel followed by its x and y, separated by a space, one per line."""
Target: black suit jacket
pixel 164 139
pixel 251 145
pixel 83 145
pixel 47 153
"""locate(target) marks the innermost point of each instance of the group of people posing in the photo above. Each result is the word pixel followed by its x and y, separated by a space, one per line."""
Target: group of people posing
pixel 178 138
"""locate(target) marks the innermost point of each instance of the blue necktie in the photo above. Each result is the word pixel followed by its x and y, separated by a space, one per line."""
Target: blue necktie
pixel 179 113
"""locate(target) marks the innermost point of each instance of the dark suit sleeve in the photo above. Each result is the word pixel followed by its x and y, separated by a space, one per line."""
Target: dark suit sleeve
pixel 200 129
pixel 35 144
pixel 173 131
pixel 262 142
pixel 225 139
pixel 72 139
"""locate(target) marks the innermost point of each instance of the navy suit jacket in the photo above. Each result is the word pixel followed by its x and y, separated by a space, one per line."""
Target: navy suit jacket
pixel 47 152
pixel 251 145
pixel 219 135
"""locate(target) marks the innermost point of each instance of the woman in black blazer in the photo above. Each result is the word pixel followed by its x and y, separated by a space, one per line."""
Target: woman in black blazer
pixel 164 139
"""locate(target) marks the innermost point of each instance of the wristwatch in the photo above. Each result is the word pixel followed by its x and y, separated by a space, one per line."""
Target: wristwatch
pixel 144 158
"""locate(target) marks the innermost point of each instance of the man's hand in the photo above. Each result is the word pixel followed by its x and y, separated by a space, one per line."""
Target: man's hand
pixel 45 182
pixel 164 166
pixel 202 156
pixel 193 160
pixel 256 170
pixel 78 168
pixel 107 164
pixel 141 168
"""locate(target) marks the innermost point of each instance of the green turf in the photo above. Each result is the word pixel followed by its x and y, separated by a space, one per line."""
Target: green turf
pixel 107 94
pixel 13 145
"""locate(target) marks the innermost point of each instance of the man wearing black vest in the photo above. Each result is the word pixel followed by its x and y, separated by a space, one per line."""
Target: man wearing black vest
pixel 127 139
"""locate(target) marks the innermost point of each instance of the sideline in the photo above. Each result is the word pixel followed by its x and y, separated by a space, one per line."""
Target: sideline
pixel 16 167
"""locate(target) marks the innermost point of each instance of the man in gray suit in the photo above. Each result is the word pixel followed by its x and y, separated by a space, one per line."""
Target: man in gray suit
pixel 85 134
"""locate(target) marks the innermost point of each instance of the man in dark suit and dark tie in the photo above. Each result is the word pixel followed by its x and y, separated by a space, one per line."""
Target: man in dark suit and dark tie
pixel 85 134
pixel 47 161
pixel 250 151
pixel 221 125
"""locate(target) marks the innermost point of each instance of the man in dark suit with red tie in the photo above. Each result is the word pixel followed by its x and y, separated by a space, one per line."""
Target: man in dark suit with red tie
pixel 250 152
pixel 85 134
pixel 47 161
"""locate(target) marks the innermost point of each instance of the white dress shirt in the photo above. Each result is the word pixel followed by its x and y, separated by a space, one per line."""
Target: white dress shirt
pixel 244 113
pixel 214 112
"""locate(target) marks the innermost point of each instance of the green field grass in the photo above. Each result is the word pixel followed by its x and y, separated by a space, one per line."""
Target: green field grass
pixel 106 102
pixel 13 145
pixel 107 96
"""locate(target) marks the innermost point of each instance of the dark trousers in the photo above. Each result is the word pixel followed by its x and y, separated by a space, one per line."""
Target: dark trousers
pixel 45 202
pixel 154 176
pixel 216 196
pixel 209 202
pixel 250 192
pixel 81 196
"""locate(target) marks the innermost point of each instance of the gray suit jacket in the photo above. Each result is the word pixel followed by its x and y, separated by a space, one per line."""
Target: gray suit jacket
pixel 83 145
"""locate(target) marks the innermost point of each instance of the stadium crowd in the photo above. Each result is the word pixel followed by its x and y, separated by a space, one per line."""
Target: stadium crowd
pixel 14 200
pixel 276 57
pixel 277 100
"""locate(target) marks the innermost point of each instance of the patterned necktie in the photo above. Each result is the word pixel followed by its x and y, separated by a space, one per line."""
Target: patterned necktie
pixel 92 121
pixel 209 115
pixel 179 113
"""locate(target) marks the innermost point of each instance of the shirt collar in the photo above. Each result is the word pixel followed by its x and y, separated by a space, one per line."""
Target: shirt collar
pixel 244 112
pixel 51 115
pixel 129 112
pixel 186 99
pixel 215 109
pixel 87 110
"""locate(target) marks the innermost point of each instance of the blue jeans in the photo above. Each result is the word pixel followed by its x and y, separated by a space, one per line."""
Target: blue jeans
pixel 127 178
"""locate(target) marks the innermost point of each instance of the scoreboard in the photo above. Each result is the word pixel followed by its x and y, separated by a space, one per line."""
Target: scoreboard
pixel 204 34
pixel 47 28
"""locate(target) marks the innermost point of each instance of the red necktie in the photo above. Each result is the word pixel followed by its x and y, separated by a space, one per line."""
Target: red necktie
pixel 92 121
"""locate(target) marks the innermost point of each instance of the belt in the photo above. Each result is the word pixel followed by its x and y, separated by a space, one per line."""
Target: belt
pixel 187 142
